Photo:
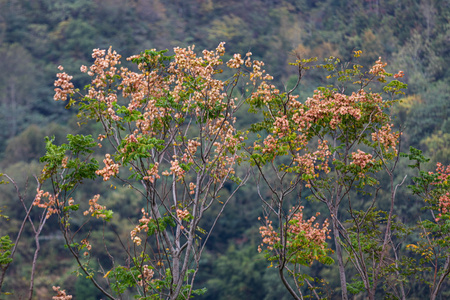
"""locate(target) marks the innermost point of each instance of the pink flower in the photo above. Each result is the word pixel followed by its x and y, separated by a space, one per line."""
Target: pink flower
pixel 361 159
pixel 61 295
pixel 235 62
pixel 182 214
pixel 110 169
pixel 400 74
pixel 378 68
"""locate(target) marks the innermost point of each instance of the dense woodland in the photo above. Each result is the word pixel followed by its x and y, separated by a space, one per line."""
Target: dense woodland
pixel 38 35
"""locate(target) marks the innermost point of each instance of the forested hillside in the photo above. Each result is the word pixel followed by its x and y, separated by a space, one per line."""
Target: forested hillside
pixel 37 36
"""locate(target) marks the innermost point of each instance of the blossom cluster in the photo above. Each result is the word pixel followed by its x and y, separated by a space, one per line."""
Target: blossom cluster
pixel 207 94
pixel 61 295
pixel 306 164
pixel 321 156
pixel 386 137
pixel 444 203
pixel 444 173
pixel 87 245
pixel 265 92
pixel 361 159
pixel 95 209
pixel 64 86
pixel 258 73
pixel 110 169
pixel 235 62
pixel 335 107
pixel 52 205
pixel 303 237
pixel 281 126
pixel 182 214
pixel 269 235
pixel 175 169
pixel 104 61
pixel 309 163
pixel 143 226
pixel 400 74
pixel 192 146
pixel 378 69
pixel 192 187
pixel 270 144
pixel 64 162
pixel 312 235
pixel 225 151
pixel 152 174
pixel 444 197
pixel 103 71
pixel 209 90
pixel 146 275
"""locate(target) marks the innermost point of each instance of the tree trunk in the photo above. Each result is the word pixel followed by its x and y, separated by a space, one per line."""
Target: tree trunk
pixel 342 277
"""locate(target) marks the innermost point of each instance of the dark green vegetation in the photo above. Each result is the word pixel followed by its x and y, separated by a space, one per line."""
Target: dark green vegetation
pixel 37 36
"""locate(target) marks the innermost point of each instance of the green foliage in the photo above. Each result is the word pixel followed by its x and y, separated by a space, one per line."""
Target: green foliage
pixel 78 164
pixel 123 278
pixel 160 225
pixel 54 155
pixel 415 155
pixel 356 287
pixel 5 250
pixel 151 59
pixel 140 148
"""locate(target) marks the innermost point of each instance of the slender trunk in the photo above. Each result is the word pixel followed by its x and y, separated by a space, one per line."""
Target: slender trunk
pixel 178 274
pixel 286 284
pixel 402 288
pixel 437 288
pixel 342 277
pixel 371 294
pixel 33 268
pixel 175 275
pixel 178 279
pixel 283 250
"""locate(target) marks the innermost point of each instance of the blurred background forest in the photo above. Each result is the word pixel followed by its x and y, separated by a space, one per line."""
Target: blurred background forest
pixel 38 35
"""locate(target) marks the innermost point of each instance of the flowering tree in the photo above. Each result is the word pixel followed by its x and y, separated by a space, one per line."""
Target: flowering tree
pixel 333 144
pixel 432 245
pixel 171 123
pixel 171 128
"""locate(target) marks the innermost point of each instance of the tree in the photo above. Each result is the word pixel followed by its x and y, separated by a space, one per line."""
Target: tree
pixel 317 145
pixel 171 124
